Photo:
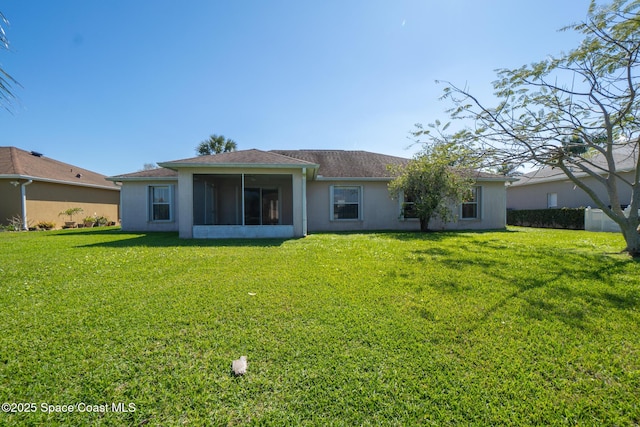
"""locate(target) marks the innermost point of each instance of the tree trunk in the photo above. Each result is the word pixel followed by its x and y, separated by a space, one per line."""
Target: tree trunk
pixel 632 238
pixel 424 224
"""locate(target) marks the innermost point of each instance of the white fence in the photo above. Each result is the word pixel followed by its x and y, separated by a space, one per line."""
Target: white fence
pixel 597 220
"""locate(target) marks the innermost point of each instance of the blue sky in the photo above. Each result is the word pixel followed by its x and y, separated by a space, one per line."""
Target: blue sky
pixel 112 85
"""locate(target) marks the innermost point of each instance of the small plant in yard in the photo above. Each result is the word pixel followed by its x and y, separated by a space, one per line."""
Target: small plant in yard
pixel 16 223
pixel 46 225
pixel 519 327
pixel 102 221
pixel 71 212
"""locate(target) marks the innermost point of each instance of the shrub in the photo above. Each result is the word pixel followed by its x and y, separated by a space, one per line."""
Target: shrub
pixel 102 220
pixel 572 218
pixel 16 223
pixel 46 225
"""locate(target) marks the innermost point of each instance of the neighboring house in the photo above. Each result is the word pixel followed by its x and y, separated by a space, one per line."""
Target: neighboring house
pixel 284 193
pixel 551 188
pixel 38 188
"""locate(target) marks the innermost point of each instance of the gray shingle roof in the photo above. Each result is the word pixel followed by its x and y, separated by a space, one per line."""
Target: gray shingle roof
pixel 625 157
pixel 17 163
pixel 240 158
pixel 157 173
pixel 347 164
pixel 330 164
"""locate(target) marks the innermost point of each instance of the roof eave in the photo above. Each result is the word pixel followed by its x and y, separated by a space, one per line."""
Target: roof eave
pixel 353 178
pixel 57 181
pixel 176 166
pixel 141 178
pixel 497 179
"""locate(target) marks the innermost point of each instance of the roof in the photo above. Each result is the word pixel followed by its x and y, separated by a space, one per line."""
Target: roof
pixel 243 158
pixel 327 164
pixel 20 164
pixel 347 164
pixel 157 173
pixel 625 157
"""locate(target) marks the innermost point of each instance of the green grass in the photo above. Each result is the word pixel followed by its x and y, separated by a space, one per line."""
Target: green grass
pixel 521 327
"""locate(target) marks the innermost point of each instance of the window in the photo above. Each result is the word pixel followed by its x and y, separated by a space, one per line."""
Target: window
pixel 408 207
pixel 471 204
pixel 552 200
pixel 345 202
pixel 160 203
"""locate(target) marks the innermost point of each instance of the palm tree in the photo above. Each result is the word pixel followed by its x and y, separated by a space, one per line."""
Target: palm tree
pixel 216 144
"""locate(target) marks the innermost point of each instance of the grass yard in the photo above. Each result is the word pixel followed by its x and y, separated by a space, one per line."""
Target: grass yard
pixel 521 327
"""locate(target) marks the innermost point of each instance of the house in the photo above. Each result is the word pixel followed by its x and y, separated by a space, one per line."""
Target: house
pixel 284 193
pixel 551 188
pixel 37 188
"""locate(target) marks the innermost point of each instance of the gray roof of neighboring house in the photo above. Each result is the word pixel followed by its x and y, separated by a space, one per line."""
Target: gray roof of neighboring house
pixel 625 157
pixel 20 164
pixel 327 164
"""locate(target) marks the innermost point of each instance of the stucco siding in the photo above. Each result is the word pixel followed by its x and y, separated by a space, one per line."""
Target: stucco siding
pixel 10 204
pixel 379 211
pixel 46 200
pixel 492 210
pixel 135 207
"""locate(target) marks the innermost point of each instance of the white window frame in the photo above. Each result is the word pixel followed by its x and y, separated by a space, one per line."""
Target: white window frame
pixel 332 213
pixel 477 202
pixel 552 200
pixel 402 202
pixel 150 202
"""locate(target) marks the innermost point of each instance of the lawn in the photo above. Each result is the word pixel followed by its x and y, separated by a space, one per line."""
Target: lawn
pixel 520 327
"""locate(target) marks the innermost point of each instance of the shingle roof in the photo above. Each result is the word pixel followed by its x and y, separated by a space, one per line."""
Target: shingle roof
pixel 157 173
pixel 17 163
pixel 240 158
pixel 624 156
pixel 329 164
pixel 347 164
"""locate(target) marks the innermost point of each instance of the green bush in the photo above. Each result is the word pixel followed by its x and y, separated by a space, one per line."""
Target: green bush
pixel 46 225
pixel 572 218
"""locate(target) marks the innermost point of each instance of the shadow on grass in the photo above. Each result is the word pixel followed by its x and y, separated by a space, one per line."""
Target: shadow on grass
pixel 441 235
pixel 572 286
pixel 170 239
pixel 164 239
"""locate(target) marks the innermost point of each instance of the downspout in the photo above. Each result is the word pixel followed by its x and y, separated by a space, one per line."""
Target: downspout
pixel 23 193
pixel 304 201
pixel 119 184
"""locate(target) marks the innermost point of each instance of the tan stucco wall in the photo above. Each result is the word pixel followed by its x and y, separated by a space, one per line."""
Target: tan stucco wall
pixel 135 207
pixel 569 195
pixel 46 200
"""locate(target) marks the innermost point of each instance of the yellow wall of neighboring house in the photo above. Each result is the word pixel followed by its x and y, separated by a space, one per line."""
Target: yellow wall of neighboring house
pixel 46 200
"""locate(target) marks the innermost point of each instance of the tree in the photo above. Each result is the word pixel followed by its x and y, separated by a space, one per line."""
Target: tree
pixel 508 169
pixel 6 81
pixel 435 181
pixel 570 112
pixel 216 144
pixel 149 166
